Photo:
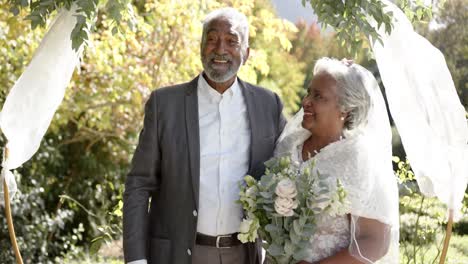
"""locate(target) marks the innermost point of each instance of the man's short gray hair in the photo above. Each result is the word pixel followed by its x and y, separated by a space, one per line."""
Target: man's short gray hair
pixel 353 97
pixel 238 20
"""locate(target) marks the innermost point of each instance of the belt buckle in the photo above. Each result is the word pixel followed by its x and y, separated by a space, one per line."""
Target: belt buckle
pixel 217 241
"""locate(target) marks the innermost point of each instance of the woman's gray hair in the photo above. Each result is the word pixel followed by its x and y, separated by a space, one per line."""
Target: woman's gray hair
pixel 353 97
pixel 238 20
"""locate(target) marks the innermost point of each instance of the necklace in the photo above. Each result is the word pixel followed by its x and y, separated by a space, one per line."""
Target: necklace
pixel 309 149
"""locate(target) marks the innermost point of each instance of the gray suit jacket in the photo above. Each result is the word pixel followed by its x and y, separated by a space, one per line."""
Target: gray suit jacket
pixel 166 167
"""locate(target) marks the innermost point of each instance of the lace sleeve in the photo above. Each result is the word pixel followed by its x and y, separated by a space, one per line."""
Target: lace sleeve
pixel 372 194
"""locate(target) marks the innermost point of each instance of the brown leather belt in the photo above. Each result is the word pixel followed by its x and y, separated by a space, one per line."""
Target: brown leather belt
pixel 224 241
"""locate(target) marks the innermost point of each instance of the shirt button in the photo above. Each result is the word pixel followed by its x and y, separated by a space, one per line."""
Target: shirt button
pixel 195 213
pixel 189 252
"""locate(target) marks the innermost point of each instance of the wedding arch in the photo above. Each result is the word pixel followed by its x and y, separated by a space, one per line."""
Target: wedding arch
pixel 441 132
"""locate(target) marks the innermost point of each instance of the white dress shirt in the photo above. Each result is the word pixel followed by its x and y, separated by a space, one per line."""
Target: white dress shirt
pixel 224 158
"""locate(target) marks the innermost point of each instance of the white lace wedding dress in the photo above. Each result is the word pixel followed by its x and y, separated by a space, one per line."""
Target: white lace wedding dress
pixel 332 233
pixel 344 160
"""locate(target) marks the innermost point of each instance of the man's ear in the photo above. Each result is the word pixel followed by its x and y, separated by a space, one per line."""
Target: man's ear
pixel 246 55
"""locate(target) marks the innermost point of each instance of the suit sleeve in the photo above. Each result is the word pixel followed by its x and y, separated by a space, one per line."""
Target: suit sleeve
pixel 281 118
pixel 141 182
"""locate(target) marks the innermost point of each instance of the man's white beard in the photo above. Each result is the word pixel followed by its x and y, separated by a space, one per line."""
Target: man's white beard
pixel 220 78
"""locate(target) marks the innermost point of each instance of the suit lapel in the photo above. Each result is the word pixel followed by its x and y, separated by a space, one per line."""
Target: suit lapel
pixel 253 120
pixel 193 135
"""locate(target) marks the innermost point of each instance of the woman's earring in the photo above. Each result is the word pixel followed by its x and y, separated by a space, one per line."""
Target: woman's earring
pixel 342 118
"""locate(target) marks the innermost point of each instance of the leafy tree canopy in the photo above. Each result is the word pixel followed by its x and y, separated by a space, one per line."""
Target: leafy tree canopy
pixel 349 18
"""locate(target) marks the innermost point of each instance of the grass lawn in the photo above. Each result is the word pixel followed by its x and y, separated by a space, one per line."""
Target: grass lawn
pixel 457 254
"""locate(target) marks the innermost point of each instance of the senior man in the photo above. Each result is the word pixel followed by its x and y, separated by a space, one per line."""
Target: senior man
pixel 198 142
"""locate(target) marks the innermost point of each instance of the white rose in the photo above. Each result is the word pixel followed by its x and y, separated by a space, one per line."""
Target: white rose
pixel 285 206
pixel 245 226
pixel 286 189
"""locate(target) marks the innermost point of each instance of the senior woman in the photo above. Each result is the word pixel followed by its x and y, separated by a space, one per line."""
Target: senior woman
pixel 344 129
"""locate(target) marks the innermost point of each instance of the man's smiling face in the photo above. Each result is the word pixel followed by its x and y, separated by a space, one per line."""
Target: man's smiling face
pixel 221 50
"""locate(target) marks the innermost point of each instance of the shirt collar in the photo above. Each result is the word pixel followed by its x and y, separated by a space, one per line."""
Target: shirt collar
pixel 211 93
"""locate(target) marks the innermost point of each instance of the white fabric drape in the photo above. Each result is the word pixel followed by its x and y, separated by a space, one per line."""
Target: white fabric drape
pixel 33 100
pixel 426 109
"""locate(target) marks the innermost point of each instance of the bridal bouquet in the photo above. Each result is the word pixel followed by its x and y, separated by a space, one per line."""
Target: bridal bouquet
pixel 283 206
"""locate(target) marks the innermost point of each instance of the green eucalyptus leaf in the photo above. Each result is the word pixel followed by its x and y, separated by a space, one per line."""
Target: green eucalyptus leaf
pixel 297 227
pixel 301 254
pixel 272 228
pixel 289 248
pixel 295 237
pixel 266 194
pixel 275 250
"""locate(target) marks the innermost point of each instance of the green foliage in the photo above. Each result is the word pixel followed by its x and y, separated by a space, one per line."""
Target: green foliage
pixel 422 223
pixel 416 10
pixel 109 231
pixel 430 253
pixel 17 43
pixel 279 70
pixel 354 20
pixel 120 12
pixel 42 234
pixel 350 19
pixel 461 226
pixel 310 43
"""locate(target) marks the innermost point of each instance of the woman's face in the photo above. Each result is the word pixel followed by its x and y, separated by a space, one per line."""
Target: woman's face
pixel 322 115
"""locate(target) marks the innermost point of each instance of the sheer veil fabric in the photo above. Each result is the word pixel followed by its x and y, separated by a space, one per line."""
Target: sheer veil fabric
pixel 426 109
pixel 363 163
pixel 36 95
